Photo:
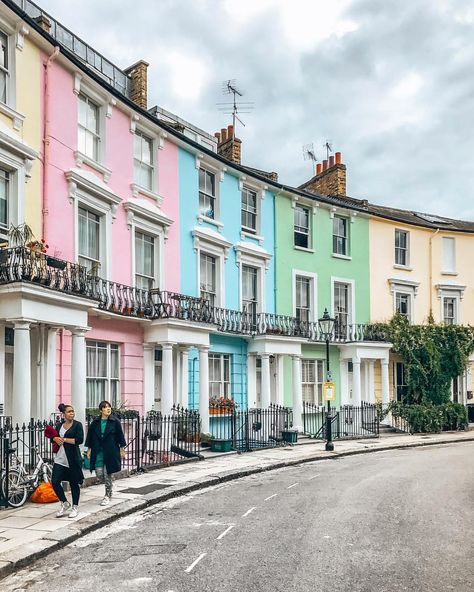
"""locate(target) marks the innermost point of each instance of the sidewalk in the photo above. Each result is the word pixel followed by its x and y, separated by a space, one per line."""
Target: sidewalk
pixel 33 531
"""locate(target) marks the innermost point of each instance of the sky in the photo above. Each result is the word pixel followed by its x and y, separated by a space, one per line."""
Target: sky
pixel 390 84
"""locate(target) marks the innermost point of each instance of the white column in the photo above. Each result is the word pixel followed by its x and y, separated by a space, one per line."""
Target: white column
pixel 385 382
pixel 21 404
pixel 167 379
pixel 251 380
pixel 148 376
pixel 371 382
pixel 266 393
pixel 280 379
pixel 204 387
pixel 48 405
pixel 356 400
pixel 2 368
pixel 184 398
pixel 297 394
pixel 79 374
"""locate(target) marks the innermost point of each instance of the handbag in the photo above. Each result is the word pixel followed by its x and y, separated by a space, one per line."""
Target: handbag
pixel 44 494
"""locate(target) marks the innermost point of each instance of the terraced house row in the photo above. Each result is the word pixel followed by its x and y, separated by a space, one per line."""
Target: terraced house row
pixel 169 272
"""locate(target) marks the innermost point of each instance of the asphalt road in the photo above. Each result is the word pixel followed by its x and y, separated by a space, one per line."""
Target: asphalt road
pixel 387 522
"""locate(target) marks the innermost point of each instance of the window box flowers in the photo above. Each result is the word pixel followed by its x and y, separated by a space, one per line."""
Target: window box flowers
pixel 221 405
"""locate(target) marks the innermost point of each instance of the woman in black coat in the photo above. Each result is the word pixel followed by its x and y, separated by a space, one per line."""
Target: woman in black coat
pixel 67 461
pixel 105 447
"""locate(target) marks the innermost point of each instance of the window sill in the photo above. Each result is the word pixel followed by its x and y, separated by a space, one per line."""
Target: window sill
pixel 304 249
pixel 215 223
pixel 100 168
pixel 245 234
pixel 346 257
pixel 404 267
pixel 452 273
pixel 139 190
pixel 17 118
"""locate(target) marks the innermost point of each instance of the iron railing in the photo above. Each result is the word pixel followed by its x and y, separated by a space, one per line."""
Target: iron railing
pixel 250 429
pixel 23 264
pixel 158 440
pixel 348 421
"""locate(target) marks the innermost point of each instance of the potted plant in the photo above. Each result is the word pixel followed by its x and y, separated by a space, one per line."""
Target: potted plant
pixel 221 405
pixel 54 261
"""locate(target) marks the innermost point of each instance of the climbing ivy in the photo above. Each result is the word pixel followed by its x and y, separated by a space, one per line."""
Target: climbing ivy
pixel 433 355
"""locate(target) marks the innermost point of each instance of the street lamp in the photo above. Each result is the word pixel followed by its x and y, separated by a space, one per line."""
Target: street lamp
pixel 326 326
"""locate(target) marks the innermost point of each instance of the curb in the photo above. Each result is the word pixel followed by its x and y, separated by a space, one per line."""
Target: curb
pixel 29 552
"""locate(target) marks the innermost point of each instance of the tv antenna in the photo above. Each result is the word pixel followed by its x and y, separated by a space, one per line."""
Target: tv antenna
pixel 229 87
pixel 309 154
pixel 328 145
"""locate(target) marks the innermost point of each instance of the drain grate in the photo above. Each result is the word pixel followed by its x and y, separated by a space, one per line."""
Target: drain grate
pixel 146 488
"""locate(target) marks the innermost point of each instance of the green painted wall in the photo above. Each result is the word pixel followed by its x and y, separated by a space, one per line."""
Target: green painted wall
pixel 321 261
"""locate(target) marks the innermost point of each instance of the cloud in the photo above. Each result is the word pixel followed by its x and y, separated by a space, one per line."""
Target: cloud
pixel 388 82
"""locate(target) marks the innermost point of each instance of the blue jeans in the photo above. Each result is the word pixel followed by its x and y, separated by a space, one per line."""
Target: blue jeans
pixel 101 473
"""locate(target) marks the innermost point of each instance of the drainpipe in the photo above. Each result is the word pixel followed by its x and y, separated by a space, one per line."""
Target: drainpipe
pixel 45 180
pixel 431 271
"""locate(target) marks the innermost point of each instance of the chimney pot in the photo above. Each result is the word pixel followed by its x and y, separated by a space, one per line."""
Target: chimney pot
pixel 325 165
pixel 338 158
pixel 224 134
pixel 44 22
pixel 331 161
pixel 319 168
pixel 218 136
pixel 230 131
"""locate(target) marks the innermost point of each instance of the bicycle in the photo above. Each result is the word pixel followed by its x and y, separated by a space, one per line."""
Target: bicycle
pixel 21 484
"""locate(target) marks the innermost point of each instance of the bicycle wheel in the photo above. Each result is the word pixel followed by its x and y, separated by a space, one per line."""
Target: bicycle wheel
pixel 17 490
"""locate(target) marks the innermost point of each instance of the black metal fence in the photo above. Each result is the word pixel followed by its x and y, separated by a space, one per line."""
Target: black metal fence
pixel 250 429
pixel 348 421
pixel 160 440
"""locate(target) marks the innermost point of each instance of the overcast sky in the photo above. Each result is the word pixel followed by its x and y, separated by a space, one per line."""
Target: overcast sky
pixel 390 83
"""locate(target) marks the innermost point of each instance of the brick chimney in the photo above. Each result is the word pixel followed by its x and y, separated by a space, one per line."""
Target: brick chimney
pixel 228 145
pixel 44 23
pixel 330 178
pixel 139 89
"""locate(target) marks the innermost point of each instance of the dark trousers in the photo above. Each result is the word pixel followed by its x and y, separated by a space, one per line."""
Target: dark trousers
pixel 60 474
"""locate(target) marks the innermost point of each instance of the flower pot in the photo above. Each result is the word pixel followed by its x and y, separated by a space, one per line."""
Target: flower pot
pixel 221 445
pixel 290 436
pixel 56 263
pixel 219 411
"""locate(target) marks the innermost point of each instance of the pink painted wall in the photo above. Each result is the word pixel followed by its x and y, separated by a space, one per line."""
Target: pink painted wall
pixel 60 225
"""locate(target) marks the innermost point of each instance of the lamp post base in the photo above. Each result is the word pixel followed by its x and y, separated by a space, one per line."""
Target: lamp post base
pixel 330 446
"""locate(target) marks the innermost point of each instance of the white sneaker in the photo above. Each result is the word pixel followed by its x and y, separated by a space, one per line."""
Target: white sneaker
pixel 73 513
pixel 64 508
pixel 105 501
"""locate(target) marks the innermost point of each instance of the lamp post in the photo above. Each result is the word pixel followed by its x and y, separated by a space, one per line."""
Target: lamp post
pixel 326 326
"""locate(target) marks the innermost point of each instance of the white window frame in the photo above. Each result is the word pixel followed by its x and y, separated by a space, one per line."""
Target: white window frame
pixel 247 229
pixel 444 270
pixel 104 105
pixel 98 263
pixel 313 284
pixel 260 190
pixel 310 211
pixel 408 287
pixel 203 253
pixel 225 389
pixel 108 379
pixel 455 302
pixel 258 259
pixel 209 242
pixel 455 291
pixel 16 158
pixel 317 385
pixel 154 271
pixel 148 219
pixel 409 302
pixel 87 191
pixel 351 317
pixel 407 249
pixel 14 37
pixel 347 254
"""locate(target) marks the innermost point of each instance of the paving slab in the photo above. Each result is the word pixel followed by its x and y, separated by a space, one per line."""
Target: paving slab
pixel 33 531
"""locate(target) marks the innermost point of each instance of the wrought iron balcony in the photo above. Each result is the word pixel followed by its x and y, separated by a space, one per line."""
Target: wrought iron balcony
pixel 20 264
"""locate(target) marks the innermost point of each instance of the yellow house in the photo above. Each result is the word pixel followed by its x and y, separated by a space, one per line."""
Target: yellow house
pixel 421 266
pixel 20 125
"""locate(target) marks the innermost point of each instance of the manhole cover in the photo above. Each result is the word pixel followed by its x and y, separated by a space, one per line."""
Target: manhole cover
pixel 145 489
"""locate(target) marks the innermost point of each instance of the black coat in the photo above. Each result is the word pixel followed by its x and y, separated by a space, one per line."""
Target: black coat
pixel 110 443
pixel 73 452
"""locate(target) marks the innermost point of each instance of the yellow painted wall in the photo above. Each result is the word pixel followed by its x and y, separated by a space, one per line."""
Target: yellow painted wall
pixel 382 268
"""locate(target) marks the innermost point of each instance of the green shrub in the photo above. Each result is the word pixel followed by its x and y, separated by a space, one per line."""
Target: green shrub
pixel 431 418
